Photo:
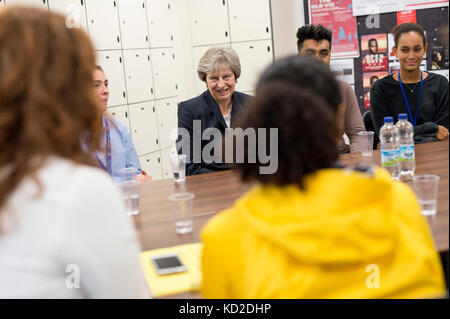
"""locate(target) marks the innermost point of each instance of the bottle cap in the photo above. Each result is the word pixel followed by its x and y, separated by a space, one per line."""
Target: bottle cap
pixel 388 119
pixel 402 116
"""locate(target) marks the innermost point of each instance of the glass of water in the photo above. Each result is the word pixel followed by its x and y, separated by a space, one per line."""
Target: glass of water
pixel 426 189
pixel 130 192
pixel 130 189
pixel 366 142
pixel 182 205
pixel 178 163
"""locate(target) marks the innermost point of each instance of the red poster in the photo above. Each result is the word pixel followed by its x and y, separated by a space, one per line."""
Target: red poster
pixel 369 79
pixel 406 16
pixel 374 52
pixel 337 16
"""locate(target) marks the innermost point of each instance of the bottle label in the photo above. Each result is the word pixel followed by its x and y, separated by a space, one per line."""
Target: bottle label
pixel 406 153
pixel 389 158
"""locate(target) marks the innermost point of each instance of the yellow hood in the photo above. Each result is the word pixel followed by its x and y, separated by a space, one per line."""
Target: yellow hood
pixel 352 224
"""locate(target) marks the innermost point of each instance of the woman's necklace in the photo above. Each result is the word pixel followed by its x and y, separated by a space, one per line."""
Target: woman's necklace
pixel 412 90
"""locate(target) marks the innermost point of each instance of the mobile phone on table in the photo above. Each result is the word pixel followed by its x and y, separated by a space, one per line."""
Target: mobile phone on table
pixel 167 264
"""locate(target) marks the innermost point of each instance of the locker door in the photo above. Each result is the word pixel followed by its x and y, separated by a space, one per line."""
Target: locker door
pixel 35 3
pixel 111 62
pixel 198 52
pixel 144 128
pixel 209 22
pixel 165 161
pixel 249 20
pixel 103 24
pixel 164 73
pixel 120 113
pixel 254 57
pixel 75 11
pixel 133 24
pixel 166 111
pixel 138 74
pixel 160 23
pixel 152 165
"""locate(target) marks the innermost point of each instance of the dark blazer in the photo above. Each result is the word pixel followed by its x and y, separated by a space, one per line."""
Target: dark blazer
pixel 205 109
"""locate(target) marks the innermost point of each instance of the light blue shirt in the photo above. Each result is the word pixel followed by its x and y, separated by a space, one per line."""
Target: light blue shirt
pixel 123 153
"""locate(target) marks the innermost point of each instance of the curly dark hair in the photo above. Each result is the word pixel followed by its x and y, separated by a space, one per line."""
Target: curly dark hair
pixel 398 30
pixel 315 32
pixel 306 132
pixel 47 101
pixel 306 73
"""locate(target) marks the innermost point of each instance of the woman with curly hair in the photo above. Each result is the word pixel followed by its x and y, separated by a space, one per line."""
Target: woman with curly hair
pixel 62 221
pixel 315 229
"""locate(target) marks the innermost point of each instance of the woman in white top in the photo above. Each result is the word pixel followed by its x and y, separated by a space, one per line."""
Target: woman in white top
pixel 63 228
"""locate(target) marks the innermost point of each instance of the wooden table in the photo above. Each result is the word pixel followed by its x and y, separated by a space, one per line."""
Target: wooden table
pixel 217 191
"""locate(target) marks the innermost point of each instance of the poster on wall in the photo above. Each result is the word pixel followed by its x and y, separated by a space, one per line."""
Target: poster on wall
pixel 438 57
pixel 369 78
pixel 336 15
pixel 343 69
pixel 374 52
pixel 366 7
pixel 424 4
pixel 407 16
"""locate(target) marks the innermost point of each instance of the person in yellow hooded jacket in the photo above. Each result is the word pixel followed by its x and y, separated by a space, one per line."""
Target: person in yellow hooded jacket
pixel 314 228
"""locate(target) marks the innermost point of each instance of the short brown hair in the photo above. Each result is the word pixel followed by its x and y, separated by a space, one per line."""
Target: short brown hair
pixel 47 100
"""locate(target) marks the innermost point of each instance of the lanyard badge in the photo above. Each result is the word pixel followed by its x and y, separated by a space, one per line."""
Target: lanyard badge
pixel 413 121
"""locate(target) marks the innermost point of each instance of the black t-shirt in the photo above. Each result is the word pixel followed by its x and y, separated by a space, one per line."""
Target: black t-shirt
pixel 386 99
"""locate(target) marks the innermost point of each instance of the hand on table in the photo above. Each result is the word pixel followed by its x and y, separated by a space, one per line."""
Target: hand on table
pixel 442 133
pixel 143 177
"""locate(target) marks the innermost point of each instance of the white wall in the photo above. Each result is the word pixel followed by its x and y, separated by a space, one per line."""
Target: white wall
pixel 287 17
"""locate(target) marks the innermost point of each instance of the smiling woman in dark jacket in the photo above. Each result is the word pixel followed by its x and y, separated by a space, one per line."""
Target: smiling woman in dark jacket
pixel 216 108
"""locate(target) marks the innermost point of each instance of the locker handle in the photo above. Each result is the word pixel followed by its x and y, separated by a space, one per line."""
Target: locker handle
pixel 151 90
pixel 143 5
pixel 43 1
pixel 118 40
pixel 223 2
pixel 267 29
pixel 123 93
pixel 81 2
pixel 146 38
pixel 168 6
pixel 148 57
pixel 120 59
pixel 114 4
pixel 171 38
pixel 176 86
pixel 268 48
pixel 159 160
pixel 153 109
pixel 157 141
pixel 142 108
pixel 226 34
pixel 126 114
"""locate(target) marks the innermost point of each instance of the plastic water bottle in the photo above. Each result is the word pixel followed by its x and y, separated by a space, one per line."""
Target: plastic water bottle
pixel 390 147
pixel 407 155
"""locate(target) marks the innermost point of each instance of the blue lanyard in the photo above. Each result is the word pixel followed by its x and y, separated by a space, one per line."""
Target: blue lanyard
pixel 406 100
pixel 108 150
